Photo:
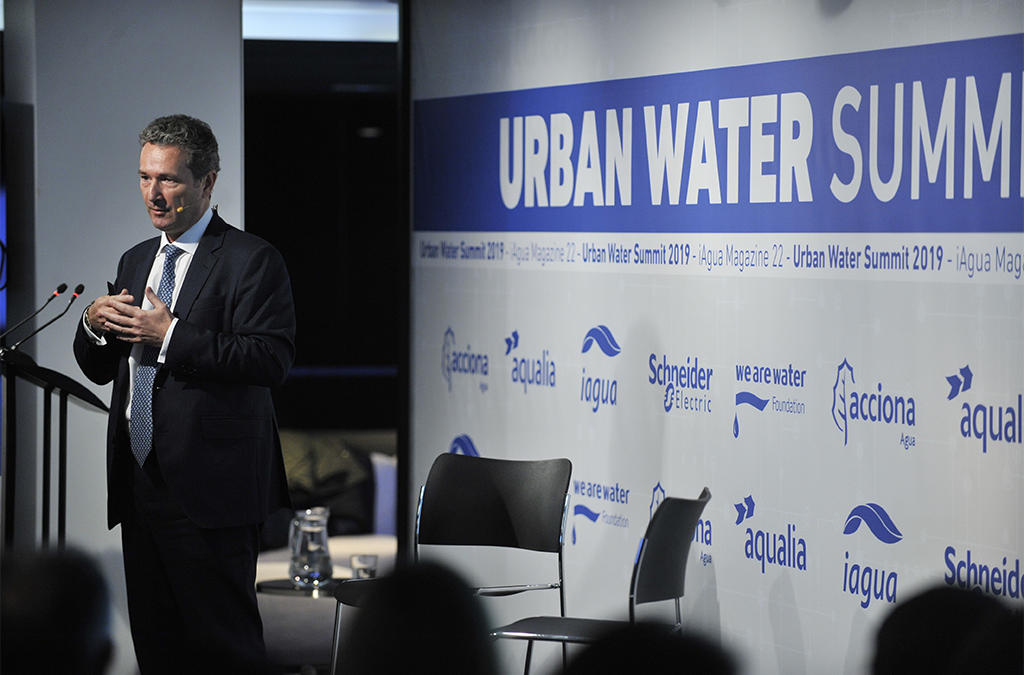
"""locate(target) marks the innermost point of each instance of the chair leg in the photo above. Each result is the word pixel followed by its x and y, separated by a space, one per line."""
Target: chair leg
pixel 335 644
pixel 565 658
pixel 529 653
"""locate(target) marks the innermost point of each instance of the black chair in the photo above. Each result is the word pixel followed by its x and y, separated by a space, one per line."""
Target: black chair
pixel 479 501
pixel 659 573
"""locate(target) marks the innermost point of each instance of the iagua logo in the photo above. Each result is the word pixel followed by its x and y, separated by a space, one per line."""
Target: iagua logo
pixel 602 492
pixel 769 548
pixel 456 363
pixel 686 384
pixel 533 372
pixel 878 406
pixel 996 423
pixel 776 377
pixel 463 444
pixel 867 581
pixel 595 391
pixel 993 579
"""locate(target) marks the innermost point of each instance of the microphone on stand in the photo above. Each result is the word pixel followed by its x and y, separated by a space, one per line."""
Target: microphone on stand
pixel 74 296
pixel 60 289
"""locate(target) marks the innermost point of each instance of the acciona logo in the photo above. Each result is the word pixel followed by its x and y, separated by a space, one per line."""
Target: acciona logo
pixel 873 404
pixel 456 362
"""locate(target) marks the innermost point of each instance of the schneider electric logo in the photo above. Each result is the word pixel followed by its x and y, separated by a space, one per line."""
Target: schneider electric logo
pixel 871 404
pixel 457 362
pixel 686 384
pixel 985 422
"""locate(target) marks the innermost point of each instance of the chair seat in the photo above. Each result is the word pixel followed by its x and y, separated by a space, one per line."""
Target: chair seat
pixel 558 629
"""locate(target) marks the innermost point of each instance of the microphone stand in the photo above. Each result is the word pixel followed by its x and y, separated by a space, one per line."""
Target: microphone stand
pixel 60 289
pixel 16 364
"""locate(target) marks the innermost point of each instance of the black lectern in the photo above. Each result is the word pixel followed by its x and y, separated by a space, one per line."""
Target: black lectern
pixel 18 365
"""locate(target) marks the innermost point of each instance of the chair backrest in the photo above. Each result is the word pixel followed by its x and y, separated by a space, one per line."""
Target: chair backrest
pixel 659 572
pixel 479 501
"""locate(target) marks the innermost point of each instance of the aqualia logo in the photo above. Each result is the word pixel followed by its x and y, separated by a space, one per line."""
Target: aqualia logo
pixel 533 372
pixel 985 422
pixel 880 407
pixel 687 385
pixel 455 362
pixel 595 391
pixel 769 548
pixel 867 581
pixel 602 492
pixel 787 377
pixel 463 444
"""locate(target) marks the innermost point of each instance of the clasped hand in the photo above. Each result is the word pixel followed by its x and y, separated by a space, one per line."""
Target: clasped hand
pixel 116 315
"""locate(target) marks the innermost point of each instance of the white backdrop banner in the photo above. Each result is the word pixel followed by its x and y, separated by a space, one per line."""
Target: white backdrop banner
pixel 796 283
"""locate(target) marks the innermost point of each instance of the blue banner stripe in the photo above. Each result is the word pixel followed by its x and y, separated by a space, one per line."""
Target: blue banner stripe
pixel 457 143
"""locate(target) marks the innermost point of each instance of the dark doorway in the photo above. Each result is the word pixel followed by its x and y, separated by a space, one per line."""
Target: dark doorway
pixel 322 184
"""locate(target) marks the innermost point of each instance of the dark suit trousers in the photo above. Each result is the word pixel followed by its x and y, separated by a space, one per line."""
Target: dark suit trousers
pixel 191 591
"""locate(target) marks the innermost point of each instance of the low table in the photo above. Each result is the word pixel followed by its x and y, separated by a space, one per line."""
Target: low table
pixel 287 587
pixel 298 627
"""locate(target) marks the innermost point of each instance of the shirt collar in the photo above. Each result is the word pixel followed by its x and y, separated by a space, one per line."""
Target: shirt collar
pixel 189 240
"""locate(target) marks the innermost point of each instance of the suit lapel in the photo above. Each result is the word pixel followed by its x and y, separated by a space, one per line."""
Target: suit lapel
pixel 201 267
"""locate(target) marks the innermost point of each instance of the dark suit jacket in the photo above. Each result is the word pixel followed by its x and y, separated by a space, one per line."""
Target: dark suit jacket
pixel 214 429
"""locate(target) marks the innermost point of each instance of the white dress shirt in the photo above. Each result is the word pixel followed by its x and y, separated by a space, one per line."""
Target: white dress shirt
pixel 188 243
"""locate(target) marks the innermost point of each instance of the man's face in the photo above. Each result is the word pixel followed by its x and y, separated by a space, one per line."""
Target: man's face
pixel 174 200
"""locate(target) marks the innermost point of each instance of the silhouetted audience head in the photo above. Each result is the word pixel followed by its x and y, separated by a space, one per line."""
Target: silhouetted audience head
pixel 995 647
pixel 949 630
pixel 421 619
pixel 54 614
pixel 652 648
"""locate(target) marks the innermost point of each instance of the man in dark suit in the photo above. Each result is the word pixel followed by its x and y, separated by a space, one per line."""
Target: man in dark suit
pixel 202 326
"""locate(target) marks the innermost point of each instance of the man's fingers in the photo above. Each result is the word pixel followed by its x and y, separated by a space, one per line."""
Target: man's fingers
pixel 155 299
pixel 124 308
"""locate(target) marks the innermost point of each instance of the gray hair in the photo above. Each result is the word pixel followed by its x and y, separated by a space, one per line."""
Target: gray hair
pixel 192 135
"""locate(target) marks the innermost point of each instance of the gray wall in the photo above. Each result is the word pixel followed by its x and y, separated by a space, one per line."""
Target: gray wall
pixel 82 80
pixel 464 47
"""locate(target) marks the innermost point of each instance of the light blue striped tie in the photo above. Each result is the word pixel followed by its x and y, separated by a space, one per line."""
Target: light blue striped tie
pixel 140 427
